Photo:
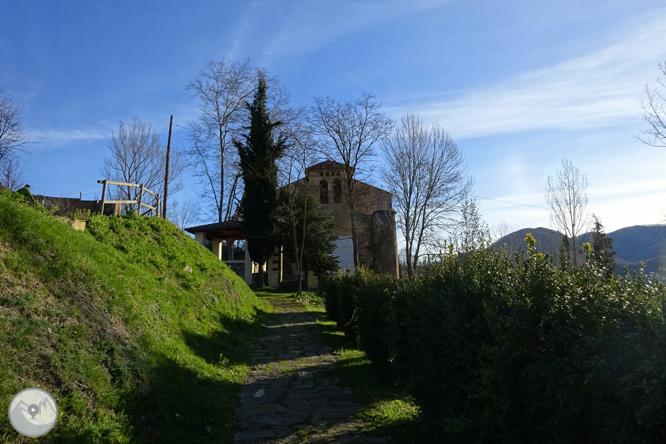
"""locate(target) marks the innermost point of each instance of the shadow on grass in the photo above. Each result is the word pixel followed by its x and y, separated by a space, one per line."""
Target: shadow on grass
pixel 388 408
pixel 182 406
pixel 229 345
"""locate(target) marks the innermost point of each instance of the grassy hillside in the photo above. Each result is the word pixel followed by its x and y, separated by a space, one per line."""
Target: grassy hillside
pixel 139 333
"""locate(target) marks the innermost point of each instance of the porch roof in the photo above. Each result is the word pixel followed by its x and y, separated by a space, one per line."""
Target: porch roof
pixel 229 229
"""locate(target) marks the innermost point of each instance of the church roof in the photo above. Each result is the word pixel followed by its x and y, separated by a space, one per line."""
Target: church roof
pixel 327 165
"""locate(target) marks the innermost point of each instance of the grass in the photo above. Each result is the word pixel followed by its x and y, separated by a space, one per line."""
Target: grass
pixel 387 409
pixel 133 345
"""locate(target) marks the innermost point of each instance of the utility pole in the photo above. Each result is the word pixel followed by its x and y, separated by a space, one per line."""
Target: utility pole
pixel 166 175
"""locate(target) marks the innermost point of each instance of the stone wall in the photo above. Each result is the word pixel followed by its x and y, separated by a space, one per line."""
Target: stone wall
pixel 374 217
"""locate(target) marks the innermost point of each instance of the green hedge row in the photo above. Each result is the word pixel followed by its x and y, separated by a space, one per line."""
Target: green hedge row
pixel 499 350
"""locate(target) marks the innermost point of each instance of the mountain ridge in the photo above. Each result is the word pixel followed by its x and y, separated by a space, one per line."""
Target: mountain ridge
pixel 633 245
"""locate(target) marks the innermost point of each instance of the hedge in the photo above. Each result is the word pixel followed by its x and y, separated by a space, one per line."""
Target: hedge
pixel 515 350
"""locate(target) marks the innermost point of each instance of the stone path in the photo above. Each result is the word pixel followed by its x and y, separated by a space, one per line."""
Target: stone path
pixel 289 397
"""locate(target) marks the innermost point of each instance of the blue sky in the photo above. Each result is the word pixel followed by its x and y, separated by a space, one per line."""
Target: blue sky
pixel 518 84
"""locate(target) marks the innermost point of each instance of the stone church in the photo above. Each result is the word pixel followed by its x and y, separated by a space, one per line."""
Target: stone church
pixel 374 217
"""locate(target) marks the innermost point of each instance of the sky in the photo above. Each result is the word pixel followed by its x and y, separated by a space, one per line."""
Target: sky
pixel 519 85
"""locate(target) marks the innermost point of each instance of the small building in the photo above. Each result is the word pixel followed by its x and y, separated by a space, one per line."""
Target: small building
pixel 228 244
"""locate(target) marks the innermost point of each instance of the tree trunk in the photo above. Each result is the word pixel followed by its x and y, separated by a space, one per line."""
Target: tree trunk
pixel 305 279
pixel 353 233
pixel 219 215
pixel 261 275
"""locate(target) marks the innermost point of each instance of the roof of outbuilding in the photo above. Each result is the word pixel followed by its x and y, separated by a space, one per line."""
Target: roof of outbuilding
pixel 222 230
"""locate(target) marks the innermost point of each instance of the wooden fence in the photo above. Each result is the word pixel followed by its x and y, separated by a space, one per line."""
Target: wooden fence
pixel 139 201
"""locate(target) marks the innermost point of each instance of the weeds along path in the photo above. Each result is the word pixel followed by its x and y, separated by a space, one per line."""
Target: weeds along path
pixel 290 395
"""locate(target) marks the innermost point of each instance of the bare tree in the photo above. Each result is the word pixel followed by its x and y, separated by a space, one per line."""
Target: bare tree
pixel 11 173
pixel 348 132
pixel 425 170
pixel 13 140
pixel 184 213
pixel 502 229
pixel 223 88
pixel 654 112
pixel 137 157
pixel 566 196
pixel 295 198
pixel 471 232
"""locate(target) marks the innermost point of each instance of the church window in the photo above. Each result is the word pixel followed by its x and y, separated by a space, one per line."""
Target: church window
pixel 323 191
pixel 337 191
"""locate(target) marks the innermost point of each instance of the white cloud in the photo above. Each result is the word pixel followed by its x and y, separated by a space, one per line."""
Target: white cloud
pixel 244 25
pixel 56 138
pixel 313 25
pixel 616 204
pixel 597 90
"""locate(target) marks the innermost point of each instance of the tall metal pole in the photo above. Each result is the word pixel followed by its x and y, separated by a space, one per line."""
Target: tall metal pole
pixel 166 175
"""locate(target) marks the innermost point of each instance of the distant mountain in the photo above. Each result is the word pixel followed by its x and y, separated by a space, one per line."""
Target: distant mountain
pixel 547 240
pixel 646 243
pixel 640 243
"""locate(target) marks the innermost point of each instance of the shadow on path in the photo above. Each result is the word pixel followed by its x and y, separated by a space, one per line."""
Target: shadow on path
pixel 289 395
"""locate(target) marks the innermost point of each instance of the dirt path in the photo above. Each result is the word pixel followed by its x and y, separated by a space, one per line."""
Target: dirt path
pixel 289 397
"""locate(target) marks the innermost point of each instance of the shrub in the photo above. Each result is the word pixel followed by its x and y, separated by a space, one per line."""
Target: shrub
pixel 372 313
pixel 501 350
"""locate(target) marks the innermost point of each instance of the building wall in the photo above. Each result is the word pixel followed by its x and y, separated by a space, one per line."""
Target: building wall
pixel 374 216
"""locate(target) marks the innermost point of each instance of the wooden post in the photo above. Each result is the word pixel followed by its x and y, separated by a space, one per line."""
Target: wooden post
pixel 103 182
pixel 166 175
pixel 140 197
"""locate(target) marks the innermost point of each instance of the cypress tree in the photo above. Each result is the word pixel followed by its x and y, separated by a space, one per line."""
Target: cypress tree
pixel 602 249
pixel 258 207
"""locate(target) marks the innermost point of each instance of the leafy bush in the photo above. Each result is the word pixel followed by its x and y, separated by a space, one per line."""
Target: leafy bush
pixel 513 351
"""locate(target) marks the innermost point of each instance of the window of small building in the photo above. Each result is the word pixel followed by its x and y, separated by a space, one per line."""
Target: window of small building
pixel 323 191
pixel 337 191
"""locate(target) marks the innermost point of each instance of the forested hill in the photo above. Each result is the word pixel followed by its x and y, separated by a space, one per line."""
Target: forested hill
pixel 632 244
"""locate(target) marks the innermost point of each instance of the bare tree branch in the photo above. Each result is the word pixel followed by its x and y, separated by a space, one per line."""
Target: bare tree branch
pixel 11 173
pixel 348 132
pixel 425 170
pixel 184 213
pixel 566 196
pixel 654 112
pixel 223 88
pixel 13 138
pixel 136 156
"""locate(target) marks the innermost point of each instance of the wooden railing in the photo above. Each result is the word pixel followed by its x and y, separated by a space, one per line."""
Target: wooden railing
pixel 139 201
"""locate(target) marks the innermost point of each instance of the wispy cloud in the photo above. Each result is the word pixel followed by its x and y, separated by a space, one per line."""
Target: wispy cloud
pixel 56 138
pixel 244 24
pixel 313 25
pixel 616 204
pixel 597 90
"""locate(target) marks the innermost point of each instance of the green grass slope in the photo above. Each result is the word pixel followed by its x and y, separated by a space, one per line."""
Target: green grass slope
pixel 139 333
